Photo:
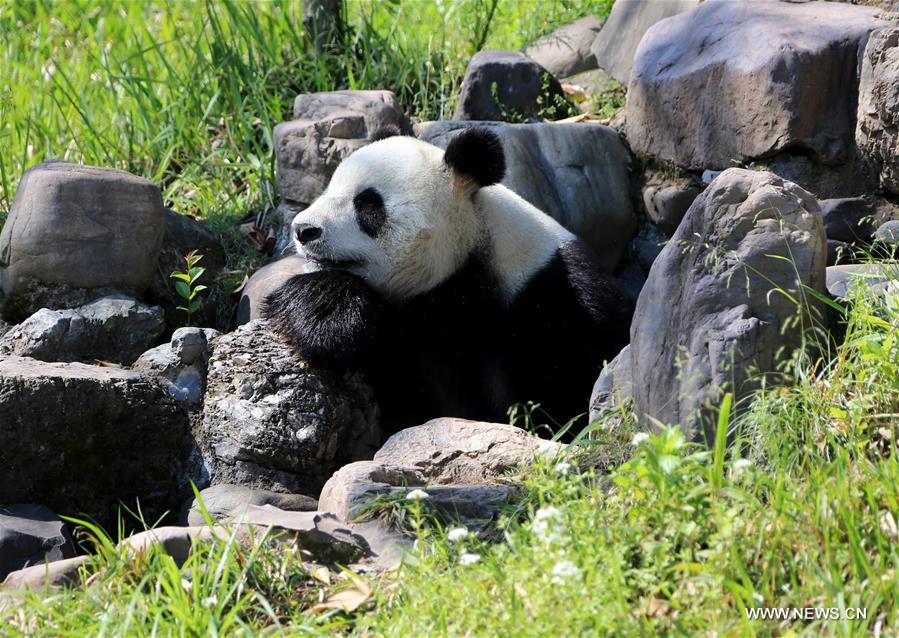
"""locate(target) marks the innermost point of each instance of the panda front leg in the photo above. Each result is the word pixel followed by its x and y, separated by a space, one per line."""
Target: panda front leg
pixel 331 318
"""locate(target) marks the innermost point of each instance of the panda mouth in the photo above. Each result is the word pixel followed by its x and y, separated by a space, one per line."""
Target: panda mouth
pixel 328 262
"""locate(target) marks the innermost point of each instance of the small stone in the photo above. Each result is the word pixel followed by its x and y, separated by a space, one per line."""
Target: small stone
pixel 614 387
pixel 888 233
pixel 264 282
pixel 227 502
pixel 666 204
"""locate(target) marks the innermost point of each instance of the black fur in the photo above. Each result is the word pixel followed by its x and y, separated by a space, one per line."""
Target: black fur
pixel 477 153
pixel 461 349
pixel 370 213
pixel 330 318
pixel 388 130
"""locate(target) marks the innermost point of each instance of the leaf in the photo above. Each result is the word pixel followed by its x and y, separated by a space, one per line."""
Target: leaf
pixel 195 305
pixel 180 275
pixel 196 291
pixel 182 289
pixel 321 574
pixel 347 600
pixel 196 273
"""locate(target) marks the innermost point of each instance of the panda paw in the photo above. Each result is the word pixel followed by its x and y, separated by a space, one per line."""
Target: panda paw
pixel 329 318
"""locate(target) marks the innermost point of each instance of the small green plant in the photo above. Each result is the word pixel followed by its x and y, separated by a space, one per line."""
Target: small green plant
pixel 186 284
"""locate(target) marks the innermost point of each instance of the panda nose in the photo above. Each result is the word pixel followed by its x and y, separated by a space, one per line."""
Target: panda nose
pixel 307 233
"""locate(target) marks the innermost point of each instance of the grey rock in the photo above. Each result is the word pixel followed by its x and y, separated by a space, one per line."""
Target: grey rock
pixel 616 44
pixel 666 204
pixel 327 128
pixel 227 502
pixel 184 234
pixel 566 50
pixel 31 534
pixel 181 364
pixel 888 233
pixel 843 280
pixel 614 387
pixel 877 125
pixel 706 322
pixel 457 451
pixel 119 433
pixel 505 85
pixel 709 176
pixel 270 421
pixel 114 328
pixel 264 282
pixel 693 102
pixel 177 542
pixel 848 219
pixel 579 174
pixel 81 227
pixel 50 575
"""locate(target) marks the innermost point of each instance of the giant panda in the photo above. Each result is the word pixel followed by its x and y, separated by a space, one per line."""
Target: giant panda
pixel 456 296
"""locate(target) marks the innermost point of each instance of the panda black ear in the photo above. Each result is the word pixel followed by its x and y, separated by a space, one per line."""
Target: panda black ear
pixel 477 153
pixel 388 130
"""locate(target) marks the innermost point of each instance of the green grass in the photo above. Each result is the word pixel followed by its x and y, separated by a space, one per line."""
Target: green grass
pixel 661 538
pixel 187 93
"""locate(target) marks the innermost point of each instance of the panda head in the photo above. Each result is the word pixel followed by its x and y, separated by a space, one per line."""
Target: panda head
pixel 400 213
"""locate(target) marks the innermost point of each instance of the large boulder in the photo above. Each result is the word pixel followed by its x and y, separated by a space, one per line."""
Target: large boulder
pixel 579 174
pixel 264 282
pixel 506 86
pixel 566 50
pixel 327 128
pixel 31 534
pixel 81 227
pixel 732 81
pixel 271 421
pixel 614 387
pixel 877 128
pixel 714 313
pixel 114 328
pixel 84 439
pixel 614 47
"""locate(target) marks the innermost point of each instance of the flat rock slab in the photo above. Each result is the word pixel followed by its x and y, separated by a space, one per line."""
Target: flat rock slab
pixel 579 174
pixel 31 534
pixel 707 320
pixel 272 422
pixel 225 502
pixel 82 227
pixel 843 279
pixel 82 439
pixel 730 81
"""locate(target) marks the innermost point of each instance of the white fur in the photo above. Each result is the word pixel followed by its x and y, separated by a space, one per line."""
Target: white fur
pixel 432 225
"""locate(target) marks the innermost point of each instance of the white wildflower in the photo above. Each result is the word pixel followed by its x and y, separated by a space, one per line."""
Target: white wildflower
pixel 186 584
pixel 468 559
pixel 639 437
pixel 562 468
pixel 457 534
pixel 757 597
pixel 210 601
pixel 417 495
pixel 741 465
pixel 563 571
pixel 546 524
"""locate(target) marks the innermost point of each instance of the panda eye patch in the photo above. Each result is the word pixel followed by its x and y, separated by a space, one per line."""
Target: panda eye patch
pixel 370 213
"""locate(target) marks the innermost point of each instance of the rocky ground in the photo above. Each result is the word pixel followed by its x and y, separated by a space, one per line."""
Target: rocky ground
pixel 733 171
